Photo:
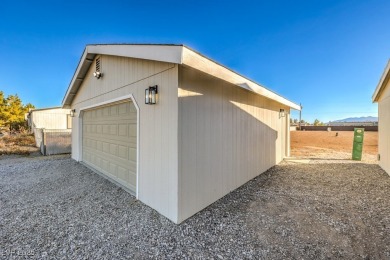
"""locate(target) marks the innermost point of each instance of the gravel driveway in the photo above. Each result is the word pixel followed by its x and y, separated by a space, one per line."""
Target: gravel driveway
pixel 53 207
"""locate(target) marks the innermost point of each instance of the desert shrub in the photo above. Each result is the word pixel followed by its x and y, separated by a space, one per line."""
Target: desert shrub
pixel 19 126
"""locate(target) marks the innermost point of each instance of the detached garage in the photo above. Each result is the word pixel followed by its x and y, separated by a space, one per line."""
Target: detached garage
pixel 171 126
pixel 382 96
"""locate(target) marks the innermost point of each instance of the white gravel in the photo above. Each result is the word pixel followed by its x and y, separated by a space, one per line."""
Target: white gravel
pixel 55 208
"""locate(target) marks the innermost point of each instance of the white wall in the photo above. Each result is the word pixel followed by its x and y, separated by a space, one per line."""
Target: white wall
pixel 55 118
pixel 384 129
pixel 227 136
pixel 158 167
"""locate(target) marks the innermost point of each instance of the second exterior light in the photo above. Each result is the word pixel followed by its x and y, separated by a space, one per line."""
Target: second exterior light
pixel 151 95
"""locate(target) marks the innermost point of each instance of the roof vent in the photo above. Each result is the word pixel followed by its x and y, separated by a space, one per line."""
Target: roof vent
pixel 97 74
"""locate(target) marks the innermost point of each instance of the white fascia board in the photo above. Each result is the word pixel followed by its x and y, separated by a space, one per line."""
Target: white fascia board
pixel 201 63
pixel 82 62
pixel 382 83
pixel 163 53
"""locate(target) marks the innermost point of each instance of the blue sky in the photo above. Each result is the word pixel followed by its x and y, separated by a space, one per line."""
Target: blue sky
pixel 328 55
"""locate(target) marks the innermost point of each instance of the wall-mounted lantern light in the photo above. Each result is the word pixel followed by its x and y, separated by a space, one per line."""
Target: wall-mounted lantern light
pixel 282 113
pixel 151 94
pixel 72 112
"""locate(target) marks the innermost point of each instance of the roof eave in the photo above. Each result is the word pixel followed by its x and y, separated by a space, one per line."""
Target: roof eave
pixel 78 76
pixel 197 61
pixel 382 83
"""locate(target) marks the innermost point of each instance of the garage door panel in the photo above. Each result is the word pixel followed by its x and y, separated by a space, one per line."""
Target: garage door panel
pixel 132 154
pixel 116 173
pixel 108 119
pixel 110 142
pixel 114 149
pixel 114 139
pixel 123 162
pixel 105 165
pixel 132 130
pixel 124 126
pixel 123 152
pixel 112 111
pixel 123 129
pixel 133 142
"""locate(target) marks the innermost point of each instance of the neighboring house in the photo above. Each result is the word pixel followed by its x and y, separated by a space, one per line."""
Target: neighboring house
pixel 382 97
pixel 53 118
pixel 49 118
pixel 210 131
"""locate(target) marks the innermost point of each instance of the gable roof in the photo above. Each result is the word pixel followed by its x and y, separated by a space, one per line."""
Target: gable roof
pixel 382 83
pixel 170 53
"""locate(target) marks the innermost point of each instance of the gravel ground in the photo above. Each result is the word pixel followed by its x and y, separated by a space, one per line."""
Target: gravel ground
pixel 336 157
pixel 53 207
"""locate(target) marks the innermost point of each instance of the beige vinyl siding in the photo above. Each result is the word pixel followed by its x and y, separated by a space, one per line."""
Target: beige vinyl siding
pixel 384 129
pixel 227 136
pixel 158 124
pixel 110 142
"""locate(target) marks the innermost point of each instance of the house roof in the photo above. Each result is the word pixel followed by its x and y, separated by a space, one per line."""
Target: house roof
pixel 171 53
pixel 382 83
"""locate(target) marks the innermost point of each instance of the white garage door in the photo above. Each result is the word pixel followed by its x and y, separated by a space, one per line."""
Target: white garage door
pixel 110 142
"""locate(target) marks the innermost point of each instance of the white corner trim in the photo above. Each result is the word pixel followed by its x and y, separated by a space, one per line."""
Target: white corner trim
pixel 138 138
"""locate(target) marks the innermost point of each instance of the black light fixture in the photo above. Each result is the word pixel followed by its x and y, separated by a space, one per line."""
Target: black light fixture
pixel 151 94
pixel 282 113
pixel 72 112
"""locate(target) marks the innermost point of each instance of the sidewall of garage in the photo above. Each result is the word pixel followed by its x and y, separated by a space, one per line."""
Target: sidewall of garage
pixel 384 129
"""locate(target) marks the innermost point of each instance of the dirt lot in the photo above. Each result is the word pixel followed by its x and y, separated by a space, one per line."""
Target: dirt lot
pixel 17 144
pixel 53 207
pixel 322 144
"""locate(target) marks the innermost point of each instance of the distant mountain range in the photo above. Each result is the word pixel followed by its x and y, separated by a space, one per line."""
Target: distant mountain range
pixel 359 119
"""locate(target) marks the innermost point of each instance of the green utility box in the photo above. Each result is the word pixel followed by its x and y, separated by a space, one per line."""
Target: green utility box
pixel 358 138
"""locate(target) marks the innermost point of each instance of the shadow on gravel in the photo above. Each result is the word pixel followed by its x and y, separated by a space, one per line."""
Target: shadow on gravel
pixel 327 159
pixel 58 208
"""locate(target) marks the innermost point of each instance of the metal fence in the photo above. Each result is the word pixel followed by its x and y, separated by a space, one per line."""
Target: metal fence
pixel 339 128
pixel 53 141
